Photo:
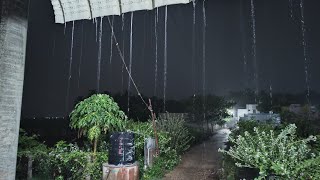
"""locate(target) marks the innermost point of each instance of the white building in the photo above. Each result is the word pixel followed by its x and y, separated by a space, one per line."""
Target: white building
pixel 250 109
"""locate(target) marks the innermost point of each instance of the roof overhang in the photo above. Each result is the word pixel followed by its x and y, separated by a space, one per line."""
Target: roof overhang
pixel 72 10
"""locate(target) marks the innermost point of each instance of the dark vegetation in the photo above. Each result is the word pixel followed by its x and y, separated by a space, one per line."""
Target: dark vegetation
pixel 264 151
pixel 60 152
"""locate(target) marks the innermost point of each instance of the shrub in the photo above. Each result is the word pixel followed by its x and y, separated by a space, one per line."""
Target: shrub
pixel 165 162
pixel 144 130
pixel 30 147
pixel 174 125
pixel 271 154
pixel 68 161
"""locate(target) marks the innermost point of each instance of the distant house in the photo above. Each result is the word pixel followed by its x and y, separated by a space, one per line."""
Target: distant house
pixel 252 113
pixel 250 109
pixel 263 117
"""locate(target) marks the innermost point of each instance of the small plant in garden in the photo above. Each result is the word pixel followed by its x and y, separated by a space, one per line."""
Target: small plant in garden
pixel 96 115
pixel 270 153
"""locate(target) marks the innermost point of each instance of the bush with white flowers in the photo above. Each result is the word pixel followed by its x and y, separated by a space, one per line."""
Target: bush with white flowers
pixel 271 154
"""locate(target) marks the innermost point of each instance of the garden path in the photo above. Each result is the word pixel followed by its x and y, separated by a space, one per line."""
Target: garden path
pixel 203 161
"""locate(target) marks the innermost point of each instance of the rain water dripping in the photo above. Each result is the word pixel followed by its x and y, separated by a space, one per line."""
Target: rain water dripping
pixel 130 59
pixel 70 68
pixel 111 43
pixel 305 50
pixel 81 54
pixel 156 20
pixel 165 58
pixel 99 55
pixel 254 49
pixel 193 59
pixel 204 60
pixel 123 50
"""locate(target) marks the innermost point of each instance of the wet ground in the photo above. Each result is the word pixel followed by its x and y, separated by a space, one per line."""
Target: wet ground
pixel 203 161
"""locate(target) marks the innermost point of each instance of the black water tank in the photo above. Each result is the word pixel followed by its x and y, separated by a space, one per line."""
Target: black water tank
pixel 122 150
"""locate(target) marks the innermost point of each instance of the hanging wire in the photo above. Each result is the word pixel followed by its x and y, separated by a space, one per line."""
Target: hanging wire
pixel 125 65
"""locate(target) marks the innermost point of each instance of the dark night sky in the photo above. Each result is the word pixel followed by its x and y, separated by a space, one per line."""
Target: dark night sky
pixel 279 52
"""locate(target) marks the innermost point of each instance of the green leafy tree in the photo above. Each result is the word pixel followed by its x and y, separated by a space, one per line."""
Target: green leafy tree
pixel 211 109
pixel 96 115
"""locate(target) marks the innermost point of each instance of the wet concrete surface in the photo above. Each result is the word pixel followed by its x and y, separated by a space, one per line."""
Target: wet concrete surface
pixel 203 161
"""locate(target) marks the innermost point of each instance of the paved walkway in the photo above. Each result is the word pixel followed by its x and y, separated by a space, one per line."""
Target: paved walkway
pixel 202 161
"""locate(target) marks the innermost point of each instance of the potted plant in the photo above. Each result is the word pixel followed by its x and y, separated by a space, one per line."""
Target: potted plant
pixel 96 115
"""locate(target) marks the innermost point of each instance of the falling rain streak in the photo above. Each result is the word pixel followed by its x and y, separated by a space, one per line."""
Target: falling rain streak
pixel 111 43
pixel 204 59
pixel 193 58
pixel 243 46
pixel 165 58
pixel 130 59
pixel 254 50
pixel 123 50
pixel 305 51
pixel 70 68
pixel 291 8
pixel 99 56
pixel 194 47
pixel 271 95
pixel 81 54
pixel 156 19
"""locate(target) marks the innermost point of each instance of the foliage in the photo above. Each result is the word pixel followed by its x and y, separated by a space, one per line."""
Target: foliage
pixel 249 127
pixel 95 115
pixel 30 147
pixel 165 162
pixel 264 104
pixel 271 154
pixel 68 161
pixel 174 125
pixel 309 169
pixel 168 157
pixel 301 121
pixel 215 108
pixel 144 130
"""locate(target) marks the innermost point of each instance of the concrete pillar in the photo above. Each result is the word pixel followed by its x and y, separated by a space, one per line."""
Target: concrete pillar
pixel 13 36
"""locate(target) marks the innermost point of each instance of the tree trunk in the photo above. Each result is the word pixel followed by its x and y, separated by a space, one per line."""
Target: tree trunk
pixel 30 161
pixel 95 144
pixel 88 176
pixel 13 37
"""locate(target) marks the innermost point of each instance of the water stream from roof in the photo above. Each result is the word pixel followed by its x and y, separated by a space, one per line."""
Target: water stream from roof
pixel 254 50
pixel 81 54
pixel 130 59
pixel 156 20
pixel 204 59
pixel 305 50
pixel 70 68
pixel 99 55
pixel 165 65
pixel 123 50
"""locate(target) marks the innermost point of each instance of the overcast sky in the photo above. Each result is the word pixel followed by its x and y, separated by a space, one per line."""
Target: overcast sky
pixel 280 60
